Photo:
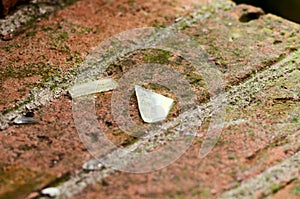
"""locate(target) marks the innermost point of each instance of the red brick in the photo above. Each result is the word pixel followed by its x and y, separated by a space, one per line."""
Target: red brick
pixel 6 5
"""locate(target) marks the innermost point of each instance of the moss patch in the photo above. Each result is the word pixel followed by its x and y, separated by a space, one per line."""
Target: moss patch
pixel 296 190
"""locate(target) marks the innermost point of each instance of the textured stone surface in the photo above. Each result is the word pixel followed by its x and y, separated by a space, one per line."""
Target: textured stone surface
pixel 28 81
pixel 269 181
pixel 260 63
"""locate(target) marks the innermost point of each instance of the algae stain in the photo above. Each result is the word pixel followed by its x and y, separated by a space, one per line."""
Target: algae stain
pixel 161 57
pixel 296 190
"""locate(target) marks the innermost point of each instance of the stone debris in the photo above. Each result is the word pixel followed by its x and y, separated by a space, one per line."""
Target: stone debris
pixel 50 192
pixel 92 165
pixel 23 119
pixel 97 86
pixel 153 107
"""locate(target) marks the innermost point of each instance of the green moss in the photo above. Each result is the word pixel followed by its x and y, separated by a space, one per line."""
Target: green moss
pixel 46 28
pixel 231 157
pixel 47 72
pixel 7 48
pixel 160 57
pixel 183 25
pixel 195 78
pixel 26 147
pixel 75 58
pixel 63 36
pixel 10 47
pixel 26 101
pixel 132 2
pixel 75 28
pixel 58 181
pixel 200 193
pixel 296 190
pixel 29 70
pixel 129 141
pixel 105 183
pixel 30 33
pixel 159 25
pixel 177 195
pixel 274 188
pixel 69 2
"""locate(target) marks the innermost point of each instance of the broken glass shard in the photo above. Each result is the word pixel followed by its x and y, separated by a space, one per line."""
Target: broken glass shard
pixel 93 87
pixel 51 192
pixel 153 107
pixel 22 119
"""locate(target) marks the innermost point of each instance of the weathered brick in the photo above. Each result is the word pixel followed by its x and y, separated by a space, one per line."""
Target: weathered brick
pixel 44 149
pixel 6 5
pixel 262 122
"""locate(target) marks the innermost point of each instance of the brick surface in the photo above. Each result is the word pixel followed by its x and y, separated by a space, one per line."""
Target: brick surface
pixel 259 61
pixel 6 5
pixel 25 60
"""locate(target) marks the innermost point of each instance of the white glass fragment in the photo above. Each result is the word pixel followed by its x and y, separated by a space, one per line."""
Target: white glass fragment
pixel 97 86
pixel 153 107
pixel 51 192
pixel 22 119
